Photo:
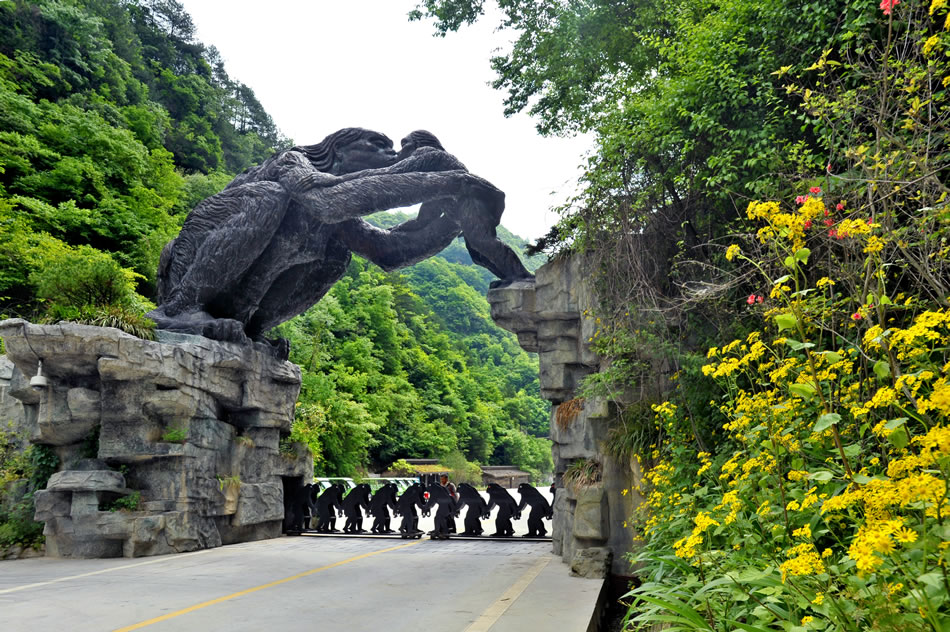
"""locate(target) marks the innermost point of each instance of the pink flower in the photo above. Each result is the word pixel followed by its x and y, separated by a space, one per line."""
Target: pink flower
pixel 815 190
pixel 759 299
pixel 801 199
pixel 751 299
pixel 887 5
pixel 829 222
pixel 828 168
pixel 856 316
pixel 839 206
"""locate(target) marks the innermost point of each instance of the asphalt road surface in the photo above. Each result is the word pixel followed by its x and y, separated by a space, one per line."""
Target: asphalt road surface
pixel 306 583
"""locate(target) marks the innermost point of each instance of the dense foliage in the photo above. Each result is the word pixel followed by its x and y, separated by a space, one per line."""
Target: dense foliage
pixel 114 122
pixel 410 365
pixel 796 156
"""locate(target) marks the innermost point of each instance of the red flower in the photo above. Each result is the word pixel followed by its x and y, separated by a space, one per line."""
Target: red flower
pixel 856 316
pixel 759 299
pixel 807 224
pixel 839 206
pixel 833 233
pixel 829 222
pixel 827 213
pixel 869 221
pixel 828 168
pixel 887 5
pixel 751 299
pixel 815 190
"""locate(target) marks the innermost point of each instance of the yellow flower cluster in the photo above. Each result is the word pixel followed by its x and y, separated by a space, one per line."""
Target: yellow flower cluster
pixel 803 560
pixel 791 226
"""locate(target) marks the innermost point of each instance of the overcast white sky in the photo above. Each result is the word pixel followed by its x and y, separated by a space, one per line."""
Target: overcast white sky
pixel 320 65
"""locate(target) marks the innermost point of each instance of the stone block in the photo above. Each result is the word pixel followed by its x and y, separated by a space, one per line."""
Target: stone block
pixel 259 502
pixel 87 481
pixel 264 438
pixel 592 562
pixel 590 514
pixel 51 505
pixel 55 422
pixel 189 532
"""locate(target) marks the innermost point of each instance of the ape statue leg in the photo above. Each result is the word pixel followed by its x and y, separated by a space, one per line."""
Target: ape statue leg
pixel 299 288
pixel 206 260
pixel 478 226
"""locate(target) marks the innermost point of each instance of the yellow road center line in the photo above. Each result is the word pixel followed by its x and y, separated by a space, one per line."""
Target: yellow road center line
pixel 205 604
pixel 166 558
pixel 488 618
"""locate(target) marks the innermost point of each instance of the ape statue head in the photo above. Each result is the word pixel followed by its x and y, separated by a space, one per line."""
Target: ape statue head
pixel 417 139
pixel 350 149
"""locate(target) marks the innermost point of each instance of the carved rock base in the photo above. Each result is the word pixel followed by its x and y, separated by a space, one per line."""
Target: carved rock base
pixel 187 426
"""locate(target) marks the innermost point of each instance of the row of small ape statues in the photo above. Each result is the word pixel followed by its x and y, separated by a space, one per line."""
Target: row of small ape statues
pixel 310 503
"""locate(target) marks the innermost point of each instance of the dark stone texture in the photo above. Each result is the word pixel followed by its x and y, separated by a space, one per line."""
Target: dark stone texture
pixel 275 240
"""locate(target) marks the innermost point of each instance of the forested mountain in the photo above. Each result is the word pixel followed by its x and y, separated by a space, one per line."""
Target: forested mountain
pixel 114 122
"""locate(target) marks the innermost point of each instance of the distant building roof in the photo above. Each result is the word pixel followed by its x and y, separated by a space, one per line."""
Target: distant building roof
pixel 502 471
pixel 422 461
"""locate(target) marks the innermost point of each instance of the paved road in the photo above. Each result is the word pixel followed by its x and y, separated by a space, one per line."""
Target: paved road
pixel 304 583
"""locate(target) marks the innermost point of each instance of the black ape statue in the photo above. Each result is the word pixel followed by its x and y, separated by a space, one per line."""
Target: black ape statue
pixel 275 240
pixel 300 509
pixel 477 509
pixel 447 507
pixel 406 507
pixel 382 501
pixel 540 508
pixel 328 503
pixel 353 504
pixel 507 507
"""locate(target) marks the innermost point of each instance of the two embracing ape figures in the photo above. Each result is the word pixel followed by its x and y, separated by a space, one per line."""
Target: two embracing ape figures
pixel 278 237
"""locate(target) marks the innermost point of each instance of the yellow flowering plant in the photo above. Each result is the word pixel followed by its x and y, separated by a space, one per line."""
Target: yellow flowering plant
pixel 821 501
pixel 830 506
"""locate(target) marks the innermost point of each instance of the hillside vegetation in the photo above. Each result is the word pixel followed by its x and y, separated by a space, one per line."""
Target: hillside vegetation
pixel 114 123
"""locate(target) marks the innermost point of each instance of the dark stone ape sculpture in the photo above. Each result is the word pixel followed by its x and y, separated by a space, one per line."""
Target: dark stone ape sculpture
pixel 507 507
pixel 353 504
pixel 478 223
pixel 477 509
pixel 446 507
pixel 382 501
pixel 540 508
pixel 275 240
pixel 328 503
pixel 406 507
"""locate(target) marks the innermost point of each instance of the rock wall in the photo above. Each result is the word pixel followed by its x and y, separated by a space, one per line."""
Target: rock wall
pixel 591 529
pixel 189 426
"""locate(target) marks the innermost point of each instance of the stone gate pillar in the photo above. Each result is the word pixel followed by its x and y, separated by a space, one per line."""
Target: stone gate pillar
pixel 551 317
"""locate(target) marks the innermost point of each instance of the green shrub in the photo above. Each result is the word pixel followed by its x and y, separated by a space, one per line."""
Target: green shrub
pixel 403 468
pixel 34 466
pixel 84 276
pixel 175 435
pixel 129 502
pixel 583 473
